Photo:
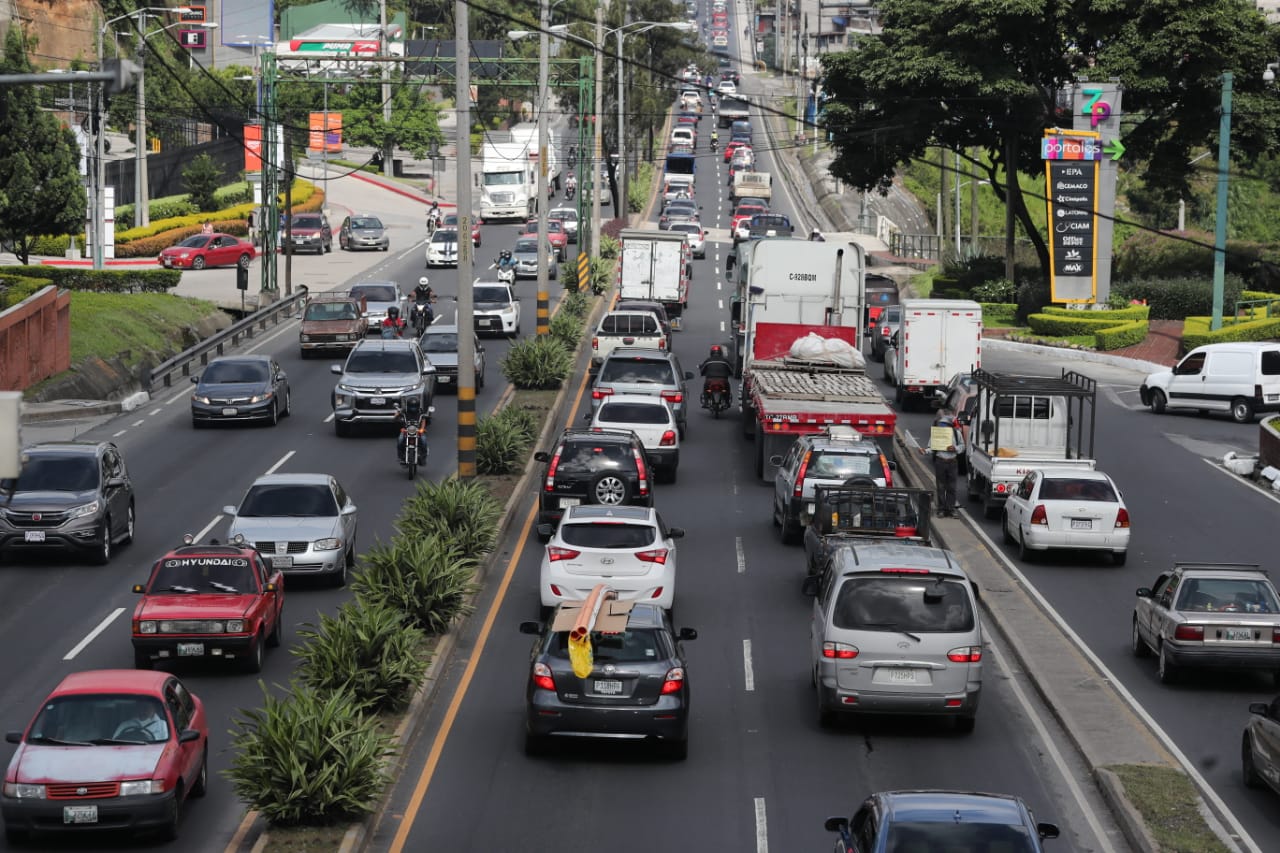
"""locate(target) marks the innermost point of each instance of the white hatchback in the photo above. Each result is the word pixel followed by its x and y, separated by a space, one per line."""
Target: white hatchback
pixel 1067 508
pixel 628 548
pixel 651 419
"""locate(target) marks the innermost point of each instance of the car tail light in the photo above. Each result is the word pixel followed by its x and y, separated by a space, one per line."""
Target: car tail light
pixel 1122 517
pixel 1039 516
pixel 641 471
pixel 601 393
pixel 657 593
pixel 888 474
pixel 657 555
pixel 839 651
pixel 542 677
pixel 673 396
pixel 555 554
pixel 1001 488
pixel 551 469
pixel 1189 632
pixel 1275 635
pixel 662 343
pixel 674 680
pixel 965 654
pixel 804 466
pixel 595 343
pixel 884 332
pixel 668 439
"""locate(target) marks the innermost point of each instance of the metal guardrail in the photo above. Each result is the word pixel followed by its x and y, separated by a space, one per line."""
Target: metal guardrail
pixel 180 365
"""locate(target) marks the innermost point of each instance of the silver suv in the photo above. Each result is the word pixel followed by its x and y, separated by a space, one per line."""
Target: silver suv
pixel 888 323
pixel 837 456
pixel 895 630
pixel 641 370
pixel 378 377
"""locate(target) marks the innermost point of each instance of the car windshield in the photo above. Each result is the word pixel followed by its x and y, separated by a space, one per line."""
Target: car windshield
pixel 527 246
pixel 440 342
pixel 289 500
pixel 389 361
pixel 628 647
pixel 586 456
pixel 230 372
pixel 376 292
pixel 490 294
pixel 92 719
pixel 902 603
pixel 203 574
pixel 444 237
pixel 833 465
pixel 1064 489
pixel 608 535
pixel 499 179
pixel 634 413
pixel 56 474
pixel 366 222
pixel 954 835
pixel 306 222
pixel 195 242
pixel 1207 595
pixel 637 369
pixel 330 311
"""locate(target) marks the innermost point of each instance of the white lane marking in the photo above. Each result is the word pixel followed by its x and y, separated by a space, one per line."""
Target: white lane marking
pixel 138 422
pixel 118 434
pixel 1235 827
pixel 749 674
pixel 1051 747
pixel 284 327
pixel 1217 466
pixel 176 397
pixel 762 827
pixel 409 251
pixel 89 638
pixel 720 304
pixel 718 287
pixel 722 325
pixel 330 418
pixel 283 459
pixel 153 413
pixel 205 530
pixel 742 557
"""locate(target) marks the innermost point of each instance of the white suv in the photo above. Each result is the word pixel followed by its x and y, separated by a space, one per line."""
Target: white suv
pixel 495 308
pixel 651 419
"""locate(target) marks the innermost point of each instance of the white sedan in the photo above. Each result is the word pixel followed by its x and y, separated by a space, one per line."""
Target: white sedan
pixel 442 249
pixel 653 422
pixel 726 87
pixel 1067 508
pixel 627 547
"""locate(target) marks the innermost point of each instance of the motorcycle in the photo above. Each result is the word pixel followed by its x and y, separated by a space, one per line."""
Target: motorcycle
pixel 411 450
pixel 714 145
pixel 717 397
pixel 423 316
pixel 505 274
pixel 433 221
pixel 570 190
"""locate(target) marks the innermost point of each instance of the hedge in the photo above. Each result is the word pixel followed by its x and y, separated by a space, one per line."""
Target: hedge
pixel 1176 298
pixel 1132 312
pixel 1196 333
pixel 1124 335
pixel 998 313
pixel 14 290
pixel 102 281
pixel 303 195
pixel 1080 322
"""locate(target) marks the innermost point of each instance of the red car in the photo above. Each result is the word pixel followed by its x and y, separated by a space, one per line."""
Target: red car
pixel 109 749
pixel 208 601
pixel 743 212
pixel 732 147
pixel 556 235
pixel 208 250
pixel 451 221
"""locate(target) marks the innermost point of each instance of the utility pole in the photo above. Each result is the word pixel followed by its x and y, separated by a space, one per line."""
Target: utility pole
pixel 141 210
pixel 99 166
pixel 387 145
pixel 1220 224
pixel 466 339
pixel 973 201
pixel 544 48
pixel 621 169
pixel 596 158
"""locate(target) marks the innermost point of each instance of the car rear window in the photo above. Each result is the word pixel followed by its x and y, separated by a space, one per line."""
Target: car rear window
pixel 439 342
pixel 834 465
pixel 914 603
pixel 608 535
pixel 634 413
pixel 1208 595
pixel 637 369
pixel 582 457
pixel 954 835
pixel 1063 489
pixel 376 292
pixel 629 324
pixel 330 311
pixel 627 647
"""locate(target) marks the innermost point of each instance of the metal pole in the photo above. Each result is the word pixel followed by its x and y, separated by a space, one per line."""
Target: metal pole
pixel 957 222
pixel 621 209
pixel 387 144
pixel 141 213
pixel 544 48
pixel 596 146
pixel 324 139
pixel 466 323
pixel 99 172
pixel 1010 187
pixel 973 201
pixel 1220 225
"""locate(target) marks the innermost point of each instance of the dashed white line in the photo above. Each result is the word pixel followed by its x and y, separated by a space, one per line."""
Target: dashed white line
pixel 742 557
pixel 118 434
pixel 283 459
pixel 153 413
pixel 330 418
pixel 722 325
pixel 138 422
pixel 762 827
pixel 205 531
pixel 175 398
pixel 720 304
pixel 89 638
pixel 749 674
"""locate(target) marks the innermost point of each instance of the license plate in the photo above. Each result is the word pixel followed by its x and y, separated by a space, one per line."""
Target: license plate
pixel 168 263
pixel 1237 634
pixel 565 503
pixel 444 380
pixel 190 650
pixel 34 536
pixel 901 675
pixel 809 508
pixel 485 321
pixel 229 413
pixel 608 687
pixel 79 814
pixel 377 401
pixel 1081 524
pixel 282 562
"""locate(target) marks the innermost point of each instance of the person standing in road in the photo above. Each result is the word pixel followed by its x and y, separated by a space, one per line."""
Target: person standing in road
pixel 945 465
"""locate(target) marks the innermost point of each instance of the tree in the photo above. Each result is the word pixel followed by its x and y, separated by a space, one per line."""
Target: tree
pixel 414 122
pixel 40 188
pixel 202 178
pixel 956 74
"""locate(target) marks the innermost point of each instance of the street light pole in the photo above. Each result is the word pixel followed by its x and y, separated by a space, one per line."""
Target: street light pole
pixel 622 209
pixel 544 47
pixel 596 146
pixel 1220 226
pixel 466 266
pixel 141 208
pixel 387 145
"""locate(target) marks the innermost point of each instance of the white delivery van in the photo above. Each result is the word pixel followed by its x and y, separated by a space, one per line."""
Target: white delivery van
pixel 936 339
pixel 1239 378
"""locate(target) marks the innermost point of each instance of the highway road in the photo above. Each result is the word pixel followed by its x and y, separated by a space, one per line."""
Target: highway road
pixel 58 617
pixel 761 774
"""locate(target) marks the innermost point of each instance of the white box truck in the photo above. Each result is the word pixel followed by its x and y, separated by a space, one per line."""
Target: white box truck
pixel 937 339
pixel 655 268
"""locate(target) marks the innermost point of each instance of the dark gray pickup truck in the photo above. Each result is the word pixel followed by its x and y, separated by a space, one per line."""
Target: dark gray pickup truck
pixel 859 514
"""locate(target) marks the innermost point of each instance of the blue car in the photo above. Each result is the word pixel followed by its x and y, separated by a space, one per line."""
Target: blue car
pixel 893 821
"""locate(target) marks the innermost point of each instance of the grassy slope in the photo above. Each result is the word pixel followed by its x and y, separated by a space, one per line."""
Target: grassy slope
pixel 105 324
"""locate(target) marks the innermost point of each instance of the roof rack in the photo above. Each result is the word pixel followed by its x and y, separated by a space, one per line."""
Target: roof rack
pixel 1220 567
pixel 1070 383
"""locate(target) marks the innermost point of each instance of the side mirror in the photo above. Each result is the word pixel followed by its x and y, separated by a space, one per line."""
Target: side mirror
pixel 893 465
pixel 534 628
pixel 229 510
pixel 810 585
pixel 1047 830
pixel 335 369
pixel 977 593
pixel 675 533
pixel 687 634
pixel 1259 708
pixel 836 824
pixel 775 460
pixel 188 736
pixel 1144 592
pixel 115 482
pixel 586 416
pixel 546 531
pixel 139 588
pixel 688 374
pixel 349 509
pixel 13 737
pixel 542 456
pixel 429 370
pixel 195 380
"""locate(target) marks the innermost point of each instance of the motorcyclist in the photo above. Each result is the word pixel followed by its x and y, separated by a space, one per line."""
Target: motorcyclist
pixel 411 413
pixel 424 295
pixel 716 369
pixel 570 185
pixel 573 156
pixel 815 236
pixel 433 216
pixel 715 139
pixel 506 261
pixel 393 325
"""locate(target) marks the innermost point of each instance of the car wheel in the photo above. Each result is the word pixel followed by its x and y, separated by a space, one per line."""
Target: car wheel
pixel 197 263
pixel 341 428
pixel 1158 401
pixel 103 555
pixel 128 527
pixel 1166 669
pixel 15 836
pixel 197 424
pixel 964 725
pixel 200 786
pixel 1025 554
pixel 1136 643
pixel 273 639
pixel 340 576
pixel 288 403
pixel 536 745
pixel 142 660
pixel 1252 779
pixel 1004 528
pixel 788 531
pixel 1118 558
pixel 671 473
pixel 304 354
pixel 1241 410
pixel 342 244
pixel 826 716
pixel 253 662
pixel 169 829
pixel 480 378
pixel 328 247
pixel 609 490
pixel 244 261
pixel 275 412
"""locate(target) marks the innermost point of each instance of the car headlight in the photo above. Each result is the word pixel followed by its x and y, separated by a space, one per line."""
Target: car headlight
pixel 23 791
pixel 184 255
pixel 261 398
pixel 345 389
pixel 235 626
pixel 82 511
pixel 327 544
pixel 306 338
pixel 142 787
pixel 199 398
pixel 510 309
pixel 147 627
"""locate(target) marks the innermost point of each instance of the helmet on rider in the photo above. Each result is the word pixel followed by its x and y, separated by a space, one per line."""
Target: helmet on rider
pixel 717 351
pixel 424 281
pixel 393 313
pixel 412 408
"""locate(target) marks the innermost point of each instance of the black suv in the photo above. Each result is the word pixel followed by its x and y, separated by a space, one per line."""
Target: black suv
pixel 71 496
pixel 604 467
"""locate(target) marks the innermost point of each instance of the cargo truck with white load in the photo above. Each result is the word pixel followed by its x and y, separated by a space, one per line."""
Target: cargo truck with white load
pixel 655 267
pixel 1026 423
pixel 936 339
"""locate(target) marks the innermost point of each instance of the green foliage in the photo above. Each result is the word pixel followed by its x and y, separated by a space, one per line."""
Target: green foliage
pixel 998 314
pixel 640 189
pixel 426 578
pixel 610 245
pixel 996 290
pixel 1126 312
pixel 1176 298
pixel 1160 255
pixel 463 512
pixel 1125 335
pixel 575 304
pixel 603 274
pixel 1196 333
pixel 567 329
pixel 538 363
pixel 972 271
pixel 1032 296
pixel 503 441
pixel 309 757
pixel 14 290
pixel 304 193
pixel 569 274
pixel 367 650
pixel 202 177
pixel 414 124
pixel 101 281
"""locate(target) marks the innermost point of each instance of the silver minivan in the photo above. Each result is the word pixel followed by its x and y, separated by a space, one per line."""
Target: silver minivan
pixel 1241 379
pixel 896 630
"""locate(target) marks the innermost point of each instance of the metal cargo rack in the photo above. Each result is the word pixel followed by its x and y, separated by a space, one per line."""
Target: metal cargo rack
pixel 1078 391
pixel 1220 567
pixel 879 513
pixel 800 380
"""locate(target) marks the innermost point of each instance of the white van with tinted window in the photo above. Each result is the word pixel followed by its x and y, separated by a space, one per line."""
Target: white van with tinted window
pixel 1241 379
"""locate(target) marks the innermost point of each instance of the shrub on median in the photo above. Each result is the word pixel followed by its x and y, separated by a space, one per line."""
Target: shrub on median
pixel 104 281
pixel 428 579
pixel 457 511
pixel 567 329
pixel 503 441
pixel 539 363
pixel 575 304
